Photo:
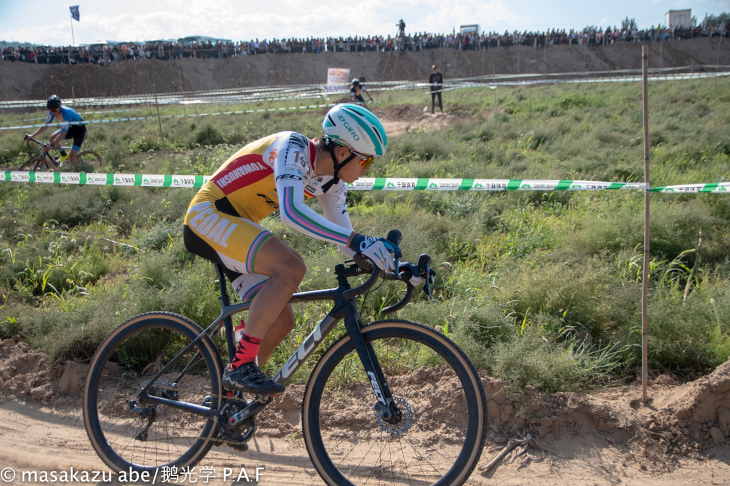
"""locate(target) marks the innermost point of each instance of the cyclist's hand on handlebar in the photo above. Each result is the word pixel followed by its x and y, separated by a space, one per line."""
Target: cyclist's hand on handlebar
pixel 26 137
pixel 376 249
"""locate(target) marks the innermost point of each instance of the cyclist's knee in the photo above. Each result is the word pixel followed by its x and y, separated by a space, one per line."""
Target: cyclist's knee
pixel 295 267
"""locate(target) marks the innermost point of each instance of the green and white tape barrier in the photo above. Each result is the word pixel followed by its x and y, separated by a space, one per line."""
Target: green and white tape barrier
pixel 367 183
pixel 142 180
pixel 428 184
pixel 718 188
pixel 363 184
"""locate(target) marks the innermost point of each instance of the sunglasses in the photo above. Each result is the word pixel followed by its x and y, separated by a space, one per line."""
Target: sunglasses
pixel 365 160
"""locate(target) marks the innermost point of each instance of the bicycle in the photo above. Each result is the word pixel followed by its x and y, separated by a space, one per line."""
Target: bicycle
pixel 88 159
pixel 392 400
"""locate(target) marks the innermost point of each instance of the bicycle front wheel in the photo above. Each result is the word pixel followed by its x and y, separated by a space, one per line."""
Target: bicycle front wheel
pixel 436 438
pixel 89 161
pixel 31 163
pixel 44 166
pixel 129 432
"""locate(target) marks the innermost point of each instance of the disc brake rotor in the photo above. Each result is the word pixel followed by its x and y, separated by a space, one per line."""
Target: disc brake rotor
pixel 402 425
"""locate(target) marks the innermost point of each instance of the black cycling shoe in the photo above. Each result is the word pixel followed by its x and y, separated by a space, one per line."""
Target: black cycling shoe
pixel 249 378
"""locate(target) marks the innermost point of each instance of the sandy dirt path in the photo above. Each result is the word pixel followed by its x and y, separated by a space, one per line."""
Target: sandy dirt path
pixel 38 438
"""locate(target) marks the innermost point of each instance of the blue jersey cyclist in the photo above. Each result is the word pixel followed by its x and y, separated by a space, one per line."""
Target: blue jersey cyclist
pixel 280 172
pixel 70 128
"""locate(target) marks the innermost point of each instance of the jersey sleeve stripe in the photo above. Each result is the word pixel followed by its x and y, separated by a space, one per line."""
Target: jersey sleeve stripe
pixel 307 224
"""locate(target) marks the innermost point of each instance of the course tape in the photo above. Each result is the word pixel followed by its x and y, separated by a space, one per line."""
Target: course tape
pixel 363 184
pixel 367 183
pixel 143 180
pixel 719 188
pixel 429 184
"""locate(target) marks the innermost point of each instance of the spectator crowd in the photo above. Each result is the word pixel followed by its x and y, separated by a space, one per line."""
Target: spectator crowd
pixel 103 54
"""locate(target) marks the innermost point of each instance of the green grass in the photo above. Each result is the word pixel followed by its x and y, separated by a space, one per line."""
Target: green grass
pixel 540 288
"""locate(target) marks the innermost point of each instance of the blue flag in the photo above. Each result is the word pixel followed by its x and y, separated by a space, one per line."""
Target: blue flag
pixel 75 13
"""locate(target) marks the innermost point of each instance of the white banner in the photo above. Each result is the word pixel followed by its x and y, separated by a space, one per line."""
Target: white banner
pixel 338 79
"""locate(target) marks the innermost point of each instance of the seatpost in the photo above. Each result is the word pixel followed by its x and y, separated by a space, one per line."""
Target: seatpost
pixel 225 301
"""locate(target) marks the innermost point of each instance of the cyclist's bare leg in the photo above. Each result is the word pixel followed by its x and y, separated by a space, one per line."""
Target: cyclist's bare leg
pixel 266 317
pixel 72 156
pixel 285 269
pixel 56 138
pixel 282 326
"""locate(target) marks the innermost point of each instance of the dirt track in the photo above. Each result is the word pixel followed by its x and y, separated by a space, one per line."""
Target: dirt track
pixel 604 438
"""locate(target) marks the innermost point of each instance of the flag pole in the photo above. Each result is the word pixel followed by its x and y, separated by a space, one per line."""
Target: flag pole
pixel 73 40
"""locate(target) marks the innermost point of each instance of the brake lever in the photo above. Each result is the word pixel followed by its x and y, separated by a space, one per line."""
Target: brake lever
pixel 394 237
pixel 425 270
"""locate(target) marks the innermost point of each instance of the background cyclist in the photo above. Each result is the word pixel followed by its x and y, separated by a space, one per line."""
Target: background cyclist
pixel 280 172
pixel 356 91
pixel 70 128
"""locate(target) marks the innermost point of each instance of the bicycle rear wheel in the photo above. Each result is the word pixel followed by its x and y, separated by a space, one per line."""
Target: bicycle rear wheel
pixel 88 161
pixel 31 163
pixel 128 432
pixel 441 431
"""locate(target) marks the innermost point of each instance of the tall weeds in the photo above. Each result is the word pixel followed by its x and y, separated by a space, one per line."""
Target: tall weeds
pixel 540 288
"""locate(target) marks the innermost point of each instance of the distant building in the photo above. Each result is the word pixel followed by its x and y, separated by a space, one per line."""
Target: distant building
pixel 679 18
pixel 470 29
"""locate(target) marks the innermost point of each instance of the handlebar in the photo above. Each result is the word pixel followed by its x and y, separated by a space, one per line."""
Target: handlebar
pixel 31 139
pixel 363 265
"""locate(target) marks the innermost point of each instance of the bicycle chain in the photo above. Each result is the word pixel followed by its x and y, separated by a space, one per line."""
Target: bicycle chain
pixel 217 440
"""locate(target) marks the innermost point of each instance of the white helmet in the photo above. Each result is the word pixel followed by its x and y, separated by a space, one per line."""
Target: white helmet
pixel 357 128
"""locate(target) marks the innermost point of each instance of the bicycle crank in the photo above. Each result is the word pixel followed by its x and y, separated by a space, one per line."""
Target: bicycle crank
pixel 232 432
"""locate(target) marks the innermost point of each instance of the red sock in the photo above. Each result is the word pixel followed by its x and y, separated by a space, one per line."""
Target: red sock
pixel 246 351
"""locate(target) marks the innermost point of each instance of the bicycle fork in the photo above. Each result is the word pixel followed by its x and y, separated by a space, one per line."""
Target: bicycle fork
pixel 385 404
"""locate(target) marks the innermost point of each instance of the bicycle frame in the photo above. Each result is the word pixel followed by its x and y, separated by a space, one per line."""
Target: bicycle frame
pixel 42 145
pixel 47 155
pixel 344 308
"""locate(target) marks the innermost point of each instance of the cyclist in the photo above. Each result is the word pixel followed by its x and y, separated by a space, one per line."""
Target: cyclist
pixel 280 172
pixel 70 128
pixel 356 91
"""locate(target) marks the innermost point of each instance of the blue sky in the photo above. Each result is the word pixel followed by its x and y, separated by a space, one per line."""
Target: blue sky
pixel 48 21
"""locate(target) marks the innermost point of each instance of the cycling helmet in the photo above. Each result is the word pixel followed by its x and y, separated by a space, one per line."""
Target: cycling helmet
pixel 355 127
pixel 356 82
pixel 53 103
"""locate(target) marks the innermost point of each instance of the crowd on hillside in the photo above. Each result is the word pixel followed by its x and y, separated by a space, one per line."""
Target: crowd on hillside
pixel 103 54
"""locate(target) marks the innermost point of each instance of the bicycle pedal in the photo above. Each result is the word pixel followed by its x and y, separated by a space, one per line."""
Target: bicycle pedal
pixel 241 448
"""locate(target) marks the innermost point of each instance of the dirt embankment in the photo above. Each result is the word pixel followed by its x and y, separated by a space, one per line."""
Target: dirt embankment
pixel 679 436
pixel 23 81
